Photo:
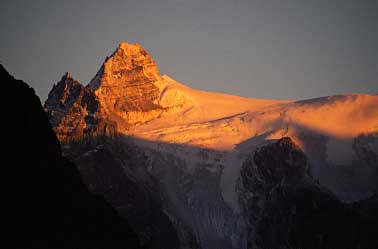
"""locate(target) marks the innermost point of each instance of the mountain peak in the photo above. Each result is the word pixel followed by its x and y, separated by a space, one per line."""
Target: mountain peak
pixel 126 81
pixel 67 75
pixel 63 95
pixel 129 64
pixel 67 81
pixel 130 47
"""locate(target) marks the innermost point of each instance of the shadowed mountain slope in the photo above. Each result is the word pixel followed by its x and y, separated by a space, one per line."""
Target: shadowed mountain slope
pixel 284 208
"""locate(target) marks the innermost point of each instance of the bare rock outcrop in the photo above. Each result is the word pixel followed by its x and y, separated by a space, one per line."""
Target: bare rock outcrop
pixel 283 208
pixel 75 112
pixel 125 85
pixel 124 92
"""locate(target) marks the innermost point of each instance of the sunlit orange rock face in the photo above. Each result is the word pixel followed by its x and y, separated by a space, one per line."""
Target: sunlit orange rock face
pixel 123 90
pixel 75 112
pixel 125 85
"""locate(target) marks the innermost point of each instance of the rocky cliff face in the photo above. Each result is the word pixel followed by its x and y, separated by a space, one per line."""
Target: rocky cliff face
pixel 75 112
pixel 284 208
pixel 126 87
pixel 125 91
pixel 46 203
pixel 125 82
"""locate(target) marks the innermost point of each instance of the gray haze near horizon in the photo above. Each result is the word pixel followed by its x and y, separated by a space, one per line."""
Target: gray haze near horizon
pixel 262 49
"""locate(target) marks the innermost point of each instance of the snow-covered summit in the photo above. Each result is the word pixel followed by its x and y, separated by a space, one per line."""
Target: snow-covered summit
pixel 196 141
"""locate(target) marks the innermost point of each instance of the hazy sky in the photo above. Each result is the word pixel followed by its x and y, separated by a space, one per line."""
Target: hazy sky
pixel 253 48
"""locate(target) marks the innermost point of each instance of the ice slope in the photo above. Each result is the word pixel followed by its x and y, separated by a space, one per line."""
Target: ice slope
pixel 199 118
pixel 325 128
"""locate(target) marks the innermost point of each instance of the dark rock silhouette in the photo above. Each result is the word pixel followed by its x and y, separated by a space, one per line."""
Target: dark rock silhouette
pixel 48 206
pixel 285 209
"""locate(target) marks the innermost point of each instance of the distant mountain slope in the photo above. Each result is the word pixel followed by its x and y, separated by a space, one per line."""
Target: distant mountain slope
pixel 47 204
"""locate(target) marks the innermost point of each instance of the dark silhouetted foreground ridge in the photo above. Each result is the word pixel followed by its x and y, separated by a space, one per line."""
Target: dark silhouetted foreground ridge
pixel 47 204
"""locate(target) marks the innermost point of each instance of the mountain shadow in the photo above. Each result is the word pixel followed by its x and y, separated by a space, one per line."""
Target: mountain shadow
pixel 282 206
pixel 47 204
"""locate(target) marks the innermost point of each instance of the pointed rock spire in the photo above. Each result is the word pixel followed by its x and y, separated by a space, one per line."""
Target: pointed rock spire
pixel 63 90
pixel 130 64
pixel 126 82
pixel 74 111
pixel 67 75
